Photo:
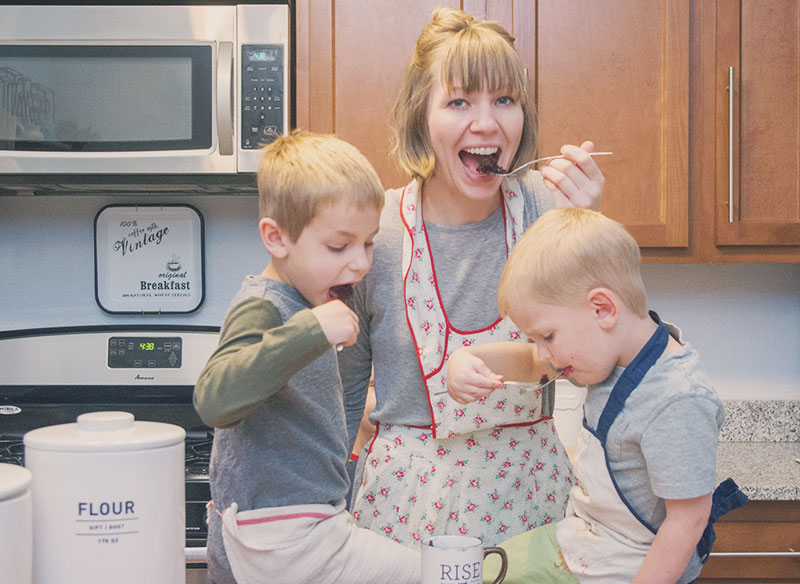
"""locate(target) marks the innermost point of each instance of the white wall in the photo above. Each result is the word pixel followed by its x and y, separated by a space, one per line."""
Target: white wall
pixel 743 318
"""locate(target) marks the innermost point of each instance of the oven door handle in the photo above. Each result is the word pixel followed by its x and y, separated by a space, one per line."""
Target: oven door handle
pixel 225 98
pixel 195 555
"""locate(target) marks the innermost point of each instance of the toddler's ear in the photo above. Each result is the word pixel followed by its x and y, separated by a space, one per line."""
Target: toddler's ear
pixel 274 237
pixel 605 305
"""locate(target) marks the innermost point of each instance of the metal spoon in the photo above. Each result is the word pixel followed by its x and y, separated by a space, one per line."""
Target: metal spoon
pixel 527 164
pixel 525 385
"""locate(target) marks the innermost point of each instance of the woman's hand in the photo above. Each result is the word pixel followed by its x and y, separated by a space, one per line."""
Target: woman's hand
pixel 468 377
pixel 575 180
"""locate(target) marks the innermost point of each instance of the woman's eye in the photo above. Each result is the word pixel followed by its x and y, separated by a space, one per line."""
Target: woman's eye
pixel 458 102
pixel 506 100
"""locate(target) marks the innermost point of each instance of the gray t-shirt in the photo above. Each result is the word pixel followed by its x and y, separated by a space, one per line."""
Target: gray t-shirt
pixel 663 444
pixel 468 260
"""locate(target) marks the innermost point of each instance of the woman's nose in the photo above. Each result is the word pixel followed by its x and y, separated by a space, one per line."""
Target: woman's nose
pixel 484 120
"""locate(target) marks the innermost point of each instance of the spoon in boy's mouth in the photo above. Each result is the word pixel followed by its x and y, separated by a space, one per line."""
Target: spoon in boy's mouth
pixel 341 292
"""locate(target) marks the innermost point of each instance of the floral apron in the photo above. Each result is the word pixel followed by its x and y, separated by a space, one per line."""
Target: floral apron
pixel 490 469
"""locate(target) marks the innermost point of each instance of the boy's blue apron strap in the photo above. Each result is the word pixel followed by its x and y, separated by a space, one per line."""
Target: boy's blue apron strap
pixel 727 497
pixel 631 377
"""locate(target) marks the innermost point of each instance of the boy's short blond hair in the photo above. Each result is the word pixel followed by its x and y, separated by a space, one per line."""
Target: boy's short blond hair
pixel 475 55
pixel 565 254
pixel 303 172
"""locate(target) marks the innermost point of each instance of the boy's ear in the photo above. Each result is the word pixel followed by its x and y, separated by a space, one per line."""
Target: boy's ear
pixel 604 303
pixel 274 237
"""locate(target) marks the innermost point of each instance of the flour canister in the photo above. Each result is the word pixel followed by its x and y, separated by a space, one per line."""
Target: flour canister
pixel 16 525
pixel 108 501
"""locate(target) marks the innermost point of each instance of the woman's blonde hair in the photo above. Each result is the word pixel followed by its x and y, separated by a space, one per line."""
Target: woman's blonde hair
pixel 303 172
pixel 475 55
pixel 565 254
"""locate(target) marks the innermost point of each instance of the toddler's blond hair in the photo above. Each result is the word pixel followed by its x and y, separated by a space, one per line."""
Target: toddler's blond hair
pixel 303 172
pixel 565 254
pixel 475 55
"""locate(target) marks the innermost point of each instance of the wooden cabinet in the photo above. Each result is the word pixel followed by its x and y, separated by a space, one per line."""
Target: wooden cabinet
pixel 618 73
pixel 758 183
pixel 641 79
pixel 756 536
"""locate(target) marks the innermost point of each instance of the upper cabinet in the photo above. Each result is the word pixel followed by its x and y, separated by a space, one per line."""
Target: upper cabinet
pixel 646 80
pixel 758 169
pixel 617 73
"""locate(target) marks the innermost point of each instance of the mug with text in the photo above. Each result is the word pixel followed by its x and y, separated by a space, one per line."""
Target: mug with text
pixel 457 559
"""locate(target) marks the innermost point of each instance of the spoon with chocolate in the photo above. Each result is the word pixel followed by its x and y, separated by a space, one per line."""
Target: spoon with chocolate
pixel 489 165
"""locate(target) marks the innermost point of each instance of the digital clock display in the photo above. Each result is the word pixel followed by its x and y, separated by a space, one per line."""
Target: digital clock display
pixel 152 352
pixel 262 54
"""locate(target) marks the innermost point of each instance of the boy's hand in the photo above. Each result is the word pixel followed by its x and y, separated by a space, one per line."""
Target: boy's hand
pixel 468 377
pixel 338 322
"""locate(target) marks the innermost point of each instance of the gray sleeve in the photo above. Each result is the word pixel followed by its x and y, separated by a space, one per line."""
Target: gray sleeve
pixel 257 355
pixel 680 448
pixel 355 367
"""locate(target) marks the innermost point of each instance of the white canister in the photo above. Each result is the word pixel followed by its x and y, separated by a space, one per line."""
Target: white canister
pixel 108 501
pixel 16 525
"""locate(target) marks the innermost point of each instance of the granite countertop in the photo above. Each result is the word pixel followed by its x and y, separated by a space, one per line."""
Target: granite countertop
pixel 760 449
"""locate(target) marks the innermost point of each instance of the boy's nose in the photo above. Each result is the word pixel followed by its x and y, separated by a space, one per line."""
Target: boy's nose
pixel 361 261
pixel 543 352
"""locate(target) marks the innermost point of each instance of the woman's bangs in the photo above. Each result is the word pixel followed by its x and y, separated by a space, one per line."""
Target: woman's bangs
pixel 475 63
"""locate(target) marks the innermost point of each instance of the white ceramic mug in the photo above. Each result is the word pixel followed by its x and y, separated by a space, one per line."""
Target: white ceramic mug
pixel 452 559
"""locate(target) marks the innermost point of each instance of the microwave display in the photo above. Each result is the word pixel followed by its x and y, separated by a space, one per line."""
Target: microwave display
pixel 99 98
pixel 262 95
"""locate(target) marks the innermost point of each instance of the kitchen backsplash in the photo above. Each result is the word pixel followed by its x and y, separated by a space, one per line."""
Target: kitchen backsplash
pixel 743 318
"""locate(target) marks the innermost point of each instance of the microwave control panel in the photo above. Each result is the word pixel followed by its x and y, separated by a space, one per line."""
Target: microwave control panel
pixel 262 94
pixel 144 352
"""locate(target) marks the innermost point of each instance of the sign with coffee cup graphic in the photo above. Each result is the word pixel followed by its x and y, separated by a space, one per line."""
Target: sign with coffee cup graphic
pixel 149 259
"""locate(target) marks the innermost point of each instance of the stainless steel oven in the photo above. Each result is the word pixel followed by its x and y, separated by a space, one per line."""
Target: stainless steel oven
pixel 144 89
pixel 50 376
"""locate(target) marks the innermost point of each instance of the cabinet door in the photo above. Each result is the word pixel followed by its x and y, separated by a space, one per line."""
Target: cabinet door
pixel 351 56
pixel 758 155
pixel 617 73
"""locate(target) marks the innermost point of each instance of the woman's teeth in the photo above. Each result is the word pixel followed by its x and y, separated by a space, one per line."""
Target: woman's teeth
pixel 482 151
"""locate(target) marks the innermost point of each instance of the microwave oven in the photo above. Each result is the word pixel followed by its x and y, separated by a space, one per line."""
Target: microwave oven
pixel 141 89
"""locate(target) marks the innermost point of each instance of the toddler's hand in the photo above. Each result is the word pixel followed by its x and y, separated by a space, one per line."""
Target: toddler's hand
pixel 468 377
pixel 338 322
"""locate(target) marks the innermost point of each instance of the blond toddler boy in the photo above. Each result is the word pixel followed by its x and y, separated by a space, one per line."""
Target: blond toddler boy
pixel 272 388
pixel 645 461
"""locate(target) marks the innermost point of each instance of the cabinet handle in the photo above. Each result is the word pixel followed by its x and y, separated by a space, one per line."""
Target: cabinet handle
pixel 730 145
pixel 225 98
pixel 791 554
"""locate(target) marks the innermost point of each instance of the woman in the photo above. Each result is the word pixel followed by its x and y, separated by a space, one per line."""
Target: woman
pixel 494 468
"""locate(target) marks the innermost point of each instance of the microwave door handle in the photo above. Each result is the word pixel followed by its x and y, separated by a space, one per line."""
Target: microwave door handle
pixel 225 98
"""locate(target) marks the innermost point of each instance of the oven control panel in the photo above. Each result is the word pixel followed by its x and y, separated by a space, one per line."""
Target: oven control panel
pixel 144 352
pixel 262 95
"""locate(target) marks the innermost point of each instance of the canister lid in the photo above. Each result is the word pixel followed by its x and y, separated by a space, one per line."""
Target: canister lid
pixel 13 480
pixel 104 432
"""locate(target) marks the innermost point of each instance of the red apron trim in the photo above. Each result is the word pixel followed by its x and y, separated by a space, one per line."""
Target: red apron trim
pixel 258 520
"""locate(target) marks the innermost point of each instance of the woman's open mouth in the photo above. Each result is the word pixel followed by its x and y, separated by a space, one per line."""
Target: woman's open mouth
pixel 482 160
pixel 341 292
